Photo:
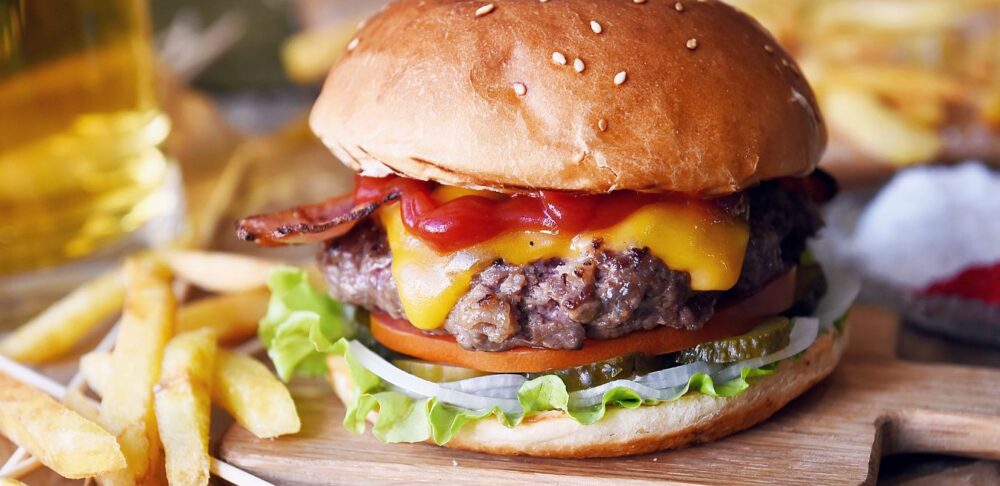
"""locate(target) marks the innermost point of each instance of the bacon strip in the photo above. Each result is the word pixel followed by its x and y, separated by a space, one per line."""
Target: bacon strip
pixel 819 186
pixel 308 224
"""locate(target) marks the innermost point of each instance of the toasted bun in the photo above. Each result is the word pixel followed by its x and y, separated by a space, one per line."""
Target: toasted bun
pixel 692 419
pixel 428 91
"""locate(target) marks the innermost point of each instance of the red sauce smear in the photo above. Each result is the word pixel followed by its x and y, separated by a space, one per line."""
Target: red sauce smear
pixel 468 220
pixel 976 283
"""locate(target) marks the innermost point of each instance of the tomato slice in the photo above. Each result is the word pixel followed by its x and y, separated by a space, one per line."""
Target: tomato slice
pixel 738 318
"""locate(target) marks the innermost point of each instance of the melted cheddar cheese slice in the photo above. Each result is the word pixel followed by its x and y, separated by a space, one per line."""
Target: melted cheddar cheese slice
pixel 685 235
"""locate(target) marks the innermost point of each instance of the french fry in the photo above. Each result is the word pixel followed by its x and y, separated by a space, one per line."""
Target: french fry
pixel 925 112
pixel 887 15
pixel 242 386
pixel 253 396
pixel 905 82
pixel 934 63
pixel 183 406
pixel 876 129
pixel 220 272
pixel 234 317
pixel 10 482
pixel 83 405
pixel 59 438
pixel 991 108
pixel 63 325
pixel 96 370
pixel 308 55
pixel 781 18
pixel 127 405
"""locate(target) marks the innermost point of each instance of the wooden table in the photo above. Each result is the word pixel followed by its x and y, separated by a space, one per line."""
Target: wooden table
pixel 873 405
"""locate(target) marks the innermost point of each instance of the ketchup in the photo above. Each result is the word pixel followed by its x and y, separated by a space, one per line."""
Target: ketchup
pixel 468 220
pixel 976 283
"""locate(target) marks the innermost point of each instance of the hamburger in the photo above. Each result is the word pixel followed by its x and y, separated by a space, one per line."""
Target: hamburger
pixel 579 229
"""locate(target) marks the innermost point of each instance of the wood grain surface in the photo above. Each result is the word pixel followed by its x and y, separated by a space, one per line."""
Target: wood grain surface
pixel 836 433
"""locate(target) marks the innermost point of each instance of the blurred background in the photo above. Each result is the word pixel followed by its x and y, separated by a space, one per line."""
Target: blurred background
pixel 126 124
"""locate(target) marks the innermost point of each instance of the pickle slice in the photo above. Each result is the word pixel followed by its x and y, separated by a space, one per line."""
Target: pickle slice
pixel 810 286
pixel 601 372
pixel 770 336
pixel 436 372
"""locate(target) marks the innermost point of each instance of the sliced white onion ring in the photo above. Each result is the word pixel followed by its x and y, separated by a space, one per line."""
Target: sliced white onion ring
pixel 843 286
pixel 505 393
pixel 388 372
pixel 678 375
pixel 477 402
pixel 594 396
pixel 488 382
pixel 419 386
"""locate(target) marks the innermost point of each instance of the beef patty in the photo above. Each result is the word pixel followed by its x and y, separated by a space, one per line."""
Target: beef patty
pixel 602 294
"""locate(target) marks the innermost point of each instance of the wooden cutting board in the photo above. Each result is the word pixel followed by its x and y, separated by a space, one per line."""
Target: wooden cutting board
pixel 873 405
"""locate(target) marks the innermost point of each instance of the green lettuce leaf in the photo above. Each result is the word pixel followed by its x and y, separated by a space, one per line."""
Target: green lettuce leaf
pixel 404 419
pixel 301 324
pixel 839 323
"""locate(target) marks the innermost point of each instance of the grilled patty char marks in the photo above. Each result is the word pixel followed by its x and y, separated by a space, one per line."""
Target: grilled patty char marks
pixel 603 294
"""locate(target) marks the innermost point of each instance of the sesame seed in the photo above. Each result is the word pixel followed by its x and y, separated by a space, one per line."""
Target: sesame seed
pixel 543 1
pixel 596 27
pixel 362 23
pixel 578 65
pixel 768 48
pixel 485 9
pixel 520 89
pixel 353 44
pixel 784 62
pixel 620 78
pixel 602 125
pixel 692 44
pixel 640 2
pixel 679 7
pixel 559 58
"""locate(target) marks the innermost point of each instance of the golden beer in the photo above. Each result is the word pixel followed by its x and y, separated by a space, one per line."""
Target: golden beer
pixel 80 126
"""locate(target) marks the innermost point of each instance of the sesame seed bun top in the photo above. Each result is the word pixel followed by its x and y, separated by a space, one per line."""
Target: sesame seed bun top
pixel 581 95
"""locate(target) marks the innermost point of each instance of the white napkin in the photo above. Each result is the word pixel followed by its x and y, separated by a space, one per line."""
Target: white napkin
pixel 930 223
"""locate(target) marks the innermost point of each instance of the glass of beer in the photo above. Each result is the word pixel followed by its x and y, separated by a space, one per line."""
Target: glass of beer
pixel 80 126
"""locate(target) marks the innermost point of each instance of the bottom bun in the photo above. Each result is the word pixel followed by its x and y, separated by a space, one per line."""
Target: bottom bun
pixel 692 419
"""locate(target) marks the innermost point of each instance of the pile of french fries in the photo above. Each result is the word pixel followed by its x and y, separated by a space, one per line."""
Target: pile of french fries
pixel 168 365
pixel 897 78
